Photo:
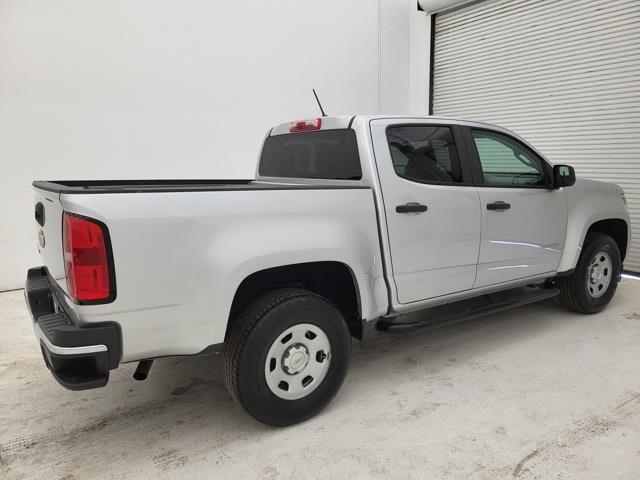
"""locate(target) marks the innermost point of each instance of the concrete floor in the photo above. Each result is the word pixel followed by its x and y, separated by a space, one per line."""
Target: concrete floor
pixel 532 393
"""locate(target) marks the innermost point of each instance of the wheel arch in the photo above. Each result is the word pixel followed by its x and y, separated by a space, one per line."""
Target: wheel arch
pixel 616 228
pixel 333 280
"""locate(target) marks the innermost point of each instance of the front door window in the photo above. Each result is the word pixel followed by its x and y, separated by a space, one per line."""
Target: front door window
pixel 507 162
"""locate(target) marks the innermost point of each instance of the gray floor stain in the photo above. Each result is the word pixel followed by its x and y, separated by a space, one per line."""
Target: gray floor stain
pixel 169 460
pixel 195 382
pixel 534 394
pixel 583 430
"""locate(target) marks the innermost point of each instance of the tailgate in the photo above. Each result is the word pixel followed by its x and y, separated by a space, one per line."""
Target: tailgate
pixel 48 230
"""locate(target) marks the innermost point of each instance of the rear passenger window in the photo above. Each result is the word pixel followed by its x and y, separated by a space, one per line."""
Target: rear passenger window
pixel 424 153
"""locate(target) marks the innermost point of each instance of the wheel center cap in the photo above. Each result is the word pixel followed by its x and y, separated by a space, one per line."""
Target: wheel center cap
pixel 295 358
pixel 596 274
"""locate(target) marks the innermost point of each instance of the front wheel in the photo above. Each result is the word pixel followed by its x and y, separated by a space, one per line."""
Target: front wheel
pixel 593 283
pixel 287 356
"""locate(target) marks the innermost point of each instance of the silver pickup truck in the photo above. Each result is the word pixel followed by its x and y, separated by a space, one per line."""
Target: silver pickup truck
pixel 350 223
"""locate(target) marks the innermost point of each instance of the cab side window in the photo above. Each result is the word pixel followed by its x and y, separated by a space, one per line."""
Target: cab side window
pixel 424 153
pixel 507 162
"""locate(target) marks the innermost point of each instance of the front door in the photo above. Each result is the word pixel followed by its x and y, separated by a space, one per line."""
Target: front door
pixel 523 219
pixel 431 207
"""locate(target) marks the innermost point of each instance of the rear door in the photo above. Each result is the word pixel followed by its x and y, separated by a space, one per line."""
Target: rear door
pixel 431 207
pixel 523 219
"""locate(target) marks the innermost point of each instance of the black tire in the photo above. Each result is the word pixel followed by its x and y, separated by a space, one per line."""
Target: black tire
pixel 574 289
pixel 250 339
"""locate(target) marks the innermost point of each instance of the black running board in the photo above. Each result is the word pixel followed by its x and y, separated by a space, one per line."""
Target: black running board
pixel 455 313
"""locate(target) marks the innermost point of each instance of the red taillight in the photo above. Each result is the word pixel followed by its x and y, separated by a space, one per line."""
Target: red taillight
pixel 86 260
pixel 305 125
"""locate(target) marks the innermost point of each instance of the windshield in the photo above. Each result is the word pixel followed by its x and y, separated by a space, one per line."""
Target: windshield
pixel 327 154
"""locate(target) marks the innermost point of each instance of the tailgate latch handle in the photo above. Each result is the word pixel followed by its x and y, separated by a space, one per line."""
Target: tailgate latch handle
pixel 40 213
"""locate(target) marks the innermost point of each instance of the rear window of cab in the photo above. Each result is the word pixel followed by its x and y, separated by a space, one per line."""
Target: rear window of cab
pixel 324 154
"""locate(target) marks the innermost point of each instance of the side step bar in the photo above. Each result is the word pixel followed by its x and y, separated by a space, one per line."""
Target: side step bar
pixel 455 313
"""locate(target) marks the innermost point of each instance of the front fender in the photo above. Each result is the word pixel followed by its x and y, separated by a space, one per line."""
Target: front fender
pixel 589 202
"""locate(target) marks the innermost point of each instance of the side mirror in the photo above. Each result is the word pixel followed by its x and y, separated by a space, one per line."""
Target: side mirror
pixel 563 176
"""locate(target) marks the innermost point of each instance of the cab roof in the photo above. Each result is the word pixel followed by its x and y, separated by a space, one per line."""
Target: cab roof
pixel 345 121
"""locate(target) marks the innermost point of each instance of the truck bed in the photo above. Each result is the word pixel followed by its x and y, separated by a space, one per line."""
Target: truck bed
pixel 182 249
pixel 139 186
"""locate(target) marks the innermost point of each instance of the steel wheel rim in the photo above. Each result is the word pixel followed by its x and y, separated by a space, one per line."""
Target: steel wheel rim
pixel 599 274
pixel 298 361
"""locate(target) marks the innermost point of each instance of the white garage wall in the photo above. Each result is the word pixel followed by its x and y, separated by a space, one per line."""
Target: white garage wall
pixel 170 89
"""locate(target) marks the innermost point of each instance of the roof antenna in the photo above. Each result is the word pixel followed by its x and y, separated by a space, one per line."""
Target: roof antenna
pixel 318 100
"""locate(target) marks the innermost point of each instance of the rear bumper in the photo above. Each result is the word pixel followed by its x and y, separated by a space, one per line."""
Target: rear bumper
pixel 79 357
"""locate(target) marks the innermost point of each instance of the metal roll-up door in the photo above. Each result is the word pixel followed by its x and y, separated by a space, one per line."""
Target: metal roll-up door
pixel 564 74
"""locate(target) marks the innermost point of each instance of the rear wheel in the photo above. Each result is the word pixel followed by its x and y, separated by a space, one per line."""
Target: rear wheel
pixel 287 356
pixel 593 283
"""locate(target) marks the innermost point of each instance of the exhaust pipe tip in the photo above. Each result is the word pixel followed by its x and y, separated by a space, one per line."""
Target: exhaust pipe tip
pixel 142 371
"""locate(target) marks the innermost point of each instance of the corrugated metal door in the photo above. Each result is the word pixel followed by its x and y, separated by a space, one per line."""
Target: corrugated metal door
pixel 564 74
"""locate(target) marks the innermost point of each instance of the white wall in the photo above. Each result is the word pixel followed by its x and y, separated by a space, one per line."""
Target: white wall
pixel 394 56
pixel 419 61
pixel 175 89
